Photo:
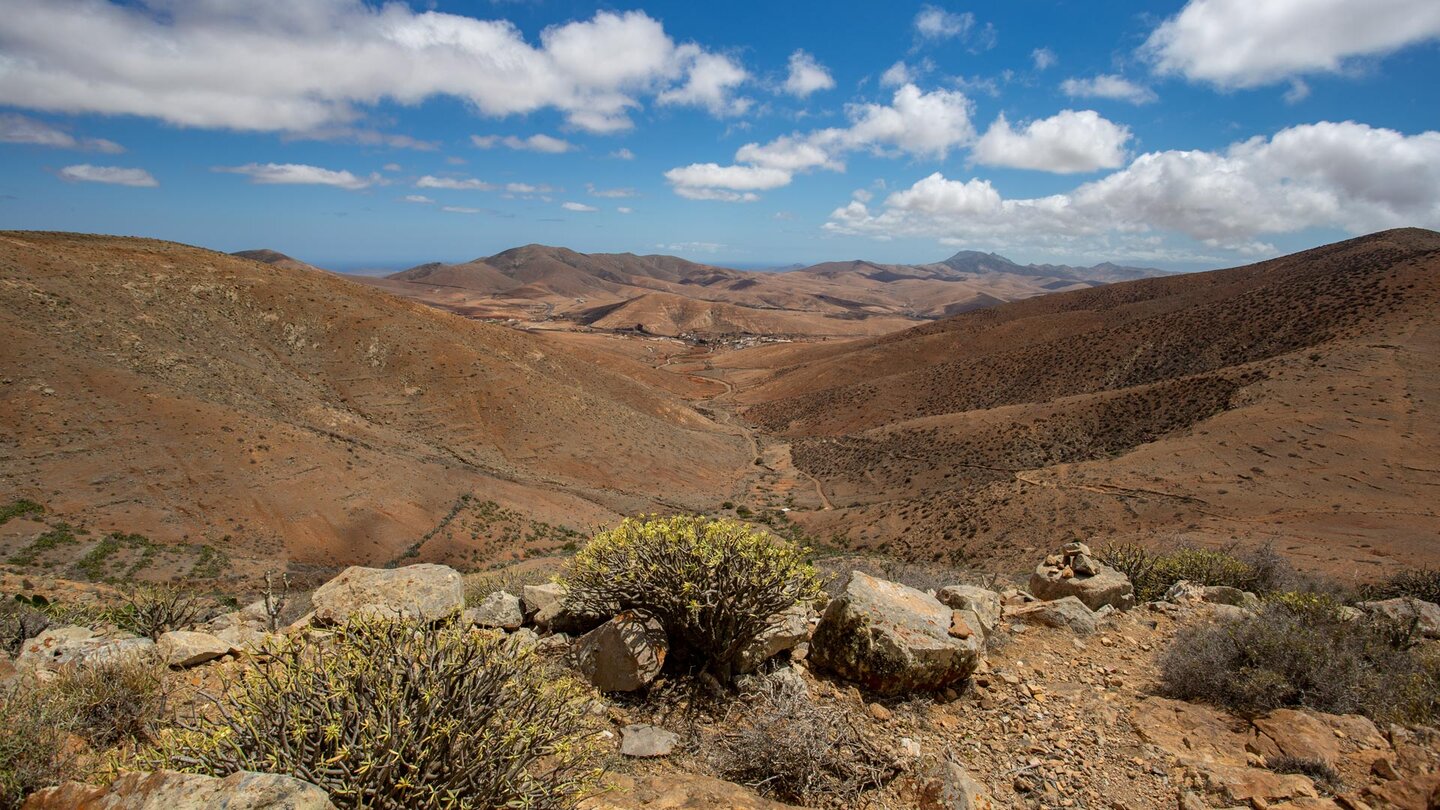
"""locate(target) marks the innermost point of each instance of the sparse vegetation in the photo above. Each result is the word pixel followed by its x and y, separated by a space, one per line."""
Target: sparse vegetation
pixel 20 621
pixel 1322 772
pixel 712 583
pixel 35 751
pixel 1152 573
pixel 1302 651
pixel 796 750
pixel 19 508
pixel 112 701
pixel 152 610
pixel 1419 583
pixel 390 715
pixel 59 535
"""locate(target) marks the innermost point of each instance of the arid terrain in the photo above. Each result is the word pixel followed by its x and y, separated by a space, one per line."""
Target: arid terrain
pixel 282 412
pixel 665 295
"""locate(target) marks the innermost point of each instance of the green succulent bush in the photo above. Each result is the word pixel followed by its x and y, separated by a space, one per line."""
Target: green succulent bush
pixel 711 583
pixel 387 714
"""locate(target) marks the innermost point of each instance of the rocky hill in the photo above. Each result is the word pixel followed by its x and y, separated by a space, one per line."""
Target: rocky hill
pixel 194 397
pixel 1293 399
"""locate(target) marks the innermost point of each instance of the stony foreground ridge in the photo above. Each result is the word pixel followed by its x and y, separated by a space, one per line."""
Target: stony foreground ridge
pixel 980 698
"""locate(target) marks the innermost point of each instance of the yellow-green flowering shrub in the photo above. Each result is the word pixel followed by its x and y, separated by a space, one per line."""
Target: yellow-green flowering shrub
pixel 712 583
pixel 392 715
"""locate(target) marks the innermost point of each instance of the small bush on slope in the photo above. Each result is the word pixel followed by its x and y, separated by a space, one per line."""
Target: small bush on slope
pixel 392 715
pixel 1300 651
pixel 111 702
pixel 1152 573
pixel 1420 583
pixel 712 583
pixel 795 750
pixel 153 610
pixel 35 751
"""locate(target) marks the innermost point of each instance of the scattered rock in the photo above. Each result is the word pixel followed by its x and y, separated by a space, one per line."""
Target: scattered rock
pixel 425 592
pixel 169 790
pixel 499 609
pixel 984 604
pixel 524 637
pixel 548 606
pixel 622 654
pixel 188 648
pixel 1068 613
pixel 538 597
pixel 1406 609
pixel 647 741
pixel 784 631
pixel 1093 583
pixel 891 638
pixel 676 791
pixel 1187 591
pixel 951 787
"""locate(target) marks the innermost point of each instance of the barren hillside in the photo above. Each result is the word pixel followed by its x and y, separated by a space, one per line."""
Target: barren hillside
pixel 193 396
pixel 1293 400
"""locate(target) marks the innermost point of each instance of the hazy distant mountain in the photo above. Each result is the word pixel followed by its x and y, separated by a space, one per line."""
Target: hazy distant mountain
pixel 275 257
pixel 851 298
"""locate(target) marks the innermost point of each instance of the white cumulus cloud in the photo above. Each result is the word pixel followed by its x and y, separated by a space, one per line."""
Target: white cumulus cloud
pixel 25 130
pixel 286 66
pixel 1065 143
pixel 807 76
pixel 934 22
pixel 535 143
pixel 114 175
pixel 1108 86
pixel 300 174
pixel 579 207
pixel 1245 43
pixel 418 198
pixel 454 183
pixel 1044 58
pixel 710 83
pixel 1346 176
pixel 914 123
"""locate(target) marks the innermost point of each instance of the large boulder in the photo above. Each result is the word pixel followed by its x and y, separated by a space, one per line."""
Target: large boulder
pixel 623 654
pixel 424 592
pixel 169 790
pixel 80 646
pixel 187 648
pixel 499 609
pixel 1407 609
pixel 1074 572
pixel 782 632
pixel 891 638
pixel 1065 614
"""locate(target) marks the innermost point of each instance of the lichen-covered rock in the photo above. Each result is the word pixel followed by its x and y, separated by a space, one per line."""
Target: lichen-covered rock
pixel 80 646
pixel 1187 591
pixel 645 741
pixel 951 787
pixel 676 791
pixel 1407 609
pixel 985 604
pixel 499 609
pixel 187 648
pixel 1073 572
pixel 785 629
pixel 1068 613
pixel 622 654
pixel 891 639
pixel 425 592
pixel 169 790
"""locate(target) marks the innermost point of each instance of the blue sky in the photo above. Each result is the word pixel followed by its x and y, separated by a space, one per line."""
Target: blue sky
pixel 1177 134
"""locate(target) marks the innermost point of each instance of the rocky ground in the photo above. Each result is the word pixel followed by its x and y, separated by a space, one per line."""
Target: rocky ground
pixel 1035 704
